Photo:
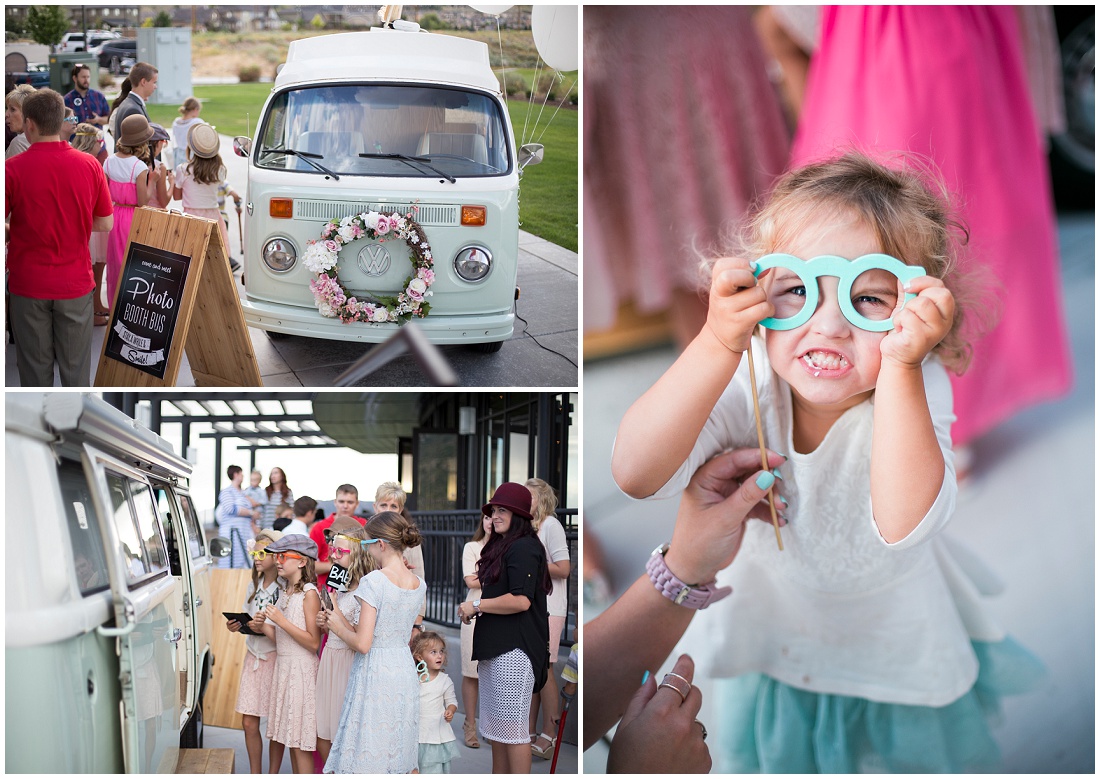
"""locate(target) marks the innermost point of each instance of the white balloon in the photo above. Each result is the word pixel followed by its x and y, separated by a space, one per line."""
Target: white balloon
pixel 495 10
pixel 555 31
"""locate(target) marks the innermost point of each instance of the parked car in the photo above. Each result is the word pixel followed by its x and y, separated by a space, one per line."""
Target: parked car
pixel 108 609
pixel 117 56
pixel 36 74
pixel 385 122
pixel 74 41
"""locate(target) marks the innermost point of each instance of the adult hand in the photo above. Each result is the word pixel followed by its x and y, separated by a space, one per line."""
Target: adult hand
pixel 466 611
pixel 722 494
pixel 659 733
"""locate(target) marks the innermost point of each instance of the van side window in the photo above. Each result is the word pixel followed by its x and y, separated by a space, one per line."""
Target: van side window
pixel 194 529
pixel 87 542
pixel 137 528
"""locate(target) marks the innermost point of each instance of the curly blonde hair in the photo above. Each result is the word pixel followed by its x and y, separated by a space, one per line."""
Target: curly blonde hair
pixel 907 207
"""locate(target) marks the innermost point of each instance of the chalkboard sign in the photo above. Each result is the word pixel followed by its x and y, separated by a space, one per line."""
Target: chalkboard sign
pixel 144 317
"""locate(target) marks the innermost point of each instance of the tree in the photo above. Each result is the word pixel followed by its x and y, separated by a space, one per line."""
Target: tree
pixel 163 19
pixel 317 22
pixel 431 21
pixel 47 24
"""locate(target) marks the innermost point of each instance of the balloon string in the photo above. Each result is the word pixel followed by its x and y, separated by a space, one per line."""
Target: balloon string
pixel 531 99
pixel 550 121
pixel 503 70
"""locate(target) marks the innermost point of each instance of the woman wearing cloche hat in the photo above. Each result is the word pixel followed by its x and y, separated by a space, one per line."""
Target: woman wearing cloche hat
pixel 511 635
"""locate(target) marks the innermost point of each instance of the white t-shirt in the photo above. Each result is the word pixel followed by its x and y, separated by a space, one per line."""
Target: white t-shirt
pixel 196 195
pixel 124 169
pixel 552 535
pixel 296 527
pixel 180 128
pixel 839 610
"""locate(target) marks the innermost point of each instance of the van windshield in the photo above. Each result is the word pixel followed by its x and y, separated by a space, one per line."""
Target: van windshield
pixel 385 130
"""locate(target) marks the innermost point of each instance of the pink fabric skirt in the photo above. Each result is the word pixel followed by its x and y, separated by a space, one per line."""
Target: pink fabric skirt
pixel 682 131
pixel 254 696
pixel 292 719
pixel 893 79
pixel 332 681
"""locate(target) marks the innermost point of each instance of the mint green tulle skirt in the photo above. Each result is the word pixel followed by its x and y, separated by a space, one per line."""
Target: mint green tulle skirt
pixel 766 726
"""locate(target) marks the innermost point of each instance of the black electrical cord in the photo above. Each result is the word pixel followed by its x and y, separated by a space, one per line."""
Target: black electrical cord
pixel 547 348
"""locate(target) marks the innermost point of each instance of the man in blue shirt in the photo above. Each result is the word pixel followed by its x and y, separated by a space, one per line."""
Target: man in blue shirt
pixel 88 104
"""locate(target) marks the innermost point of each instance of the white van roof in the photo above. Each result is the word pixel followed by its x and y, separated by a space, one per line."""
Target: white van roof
pixel 381 54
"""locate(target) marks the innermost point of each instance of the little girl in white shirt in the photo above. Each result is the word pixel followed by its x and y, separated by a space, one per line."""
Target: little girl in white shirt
pixel 438 704
pixel 863 645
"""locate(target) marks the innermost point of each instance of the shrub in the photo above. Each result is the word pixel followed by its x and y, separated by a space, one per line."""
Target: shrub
pixel 248 73
pixel 106 79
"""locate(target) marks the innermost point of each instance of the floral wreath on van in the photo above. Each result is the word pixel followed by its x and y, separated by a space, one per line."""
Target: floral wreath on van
pixel 332 298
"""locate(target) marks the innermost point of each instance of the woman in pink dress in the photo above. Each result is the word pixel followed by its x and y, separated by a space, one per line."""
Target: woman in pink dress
pixel 127 180
pixel 949 85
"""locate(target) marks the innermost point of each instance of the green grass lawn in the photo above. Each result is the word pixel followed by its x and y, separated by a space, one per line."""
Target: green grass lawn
pixel 548 192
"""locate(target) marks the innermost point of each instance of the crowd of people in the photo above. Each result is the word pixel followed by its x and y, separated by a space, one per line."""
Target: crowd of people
pixel 339 661
pixel 66 257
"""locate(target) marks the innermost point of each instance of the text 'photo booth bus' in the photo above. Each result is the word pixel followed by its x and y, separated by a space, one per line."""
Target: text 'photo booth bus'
pixel 383 186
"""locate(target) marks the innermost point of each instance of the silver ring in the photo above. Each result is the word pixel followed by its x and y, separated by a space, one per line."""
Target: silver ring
pixel 685 681
pixel 672 686
pixel 704 727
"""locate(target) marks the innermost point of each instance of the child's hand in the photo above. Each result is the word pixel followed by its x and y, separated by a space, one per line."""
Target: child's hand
pixel 448 715
pixel 922 324
pixel 737 303
pixel 233 626
pixel 273 614
pixel 322 619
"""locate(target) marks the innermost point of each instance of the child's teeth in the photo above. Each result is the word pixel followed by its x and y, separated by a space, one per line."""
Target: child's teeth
pixel 824 361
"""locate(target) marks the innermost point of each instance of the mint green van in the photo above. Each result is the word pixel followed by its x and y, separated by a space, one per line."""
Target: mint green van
pixel 385 122
pixel 108 630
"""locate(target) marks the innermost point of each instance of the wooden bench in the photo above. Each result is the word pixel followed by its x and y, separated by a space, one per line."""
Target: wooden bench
pixel 205 761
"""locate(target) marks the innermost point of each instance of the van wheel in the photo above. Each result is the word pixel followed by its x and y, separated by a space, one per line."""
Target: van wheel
pixel 191 737
pixel 489 348
pixel 277 336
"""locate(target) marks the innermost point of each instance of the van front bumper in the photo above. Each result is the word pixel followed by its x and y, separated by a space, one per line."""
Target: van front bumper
pixel 440 329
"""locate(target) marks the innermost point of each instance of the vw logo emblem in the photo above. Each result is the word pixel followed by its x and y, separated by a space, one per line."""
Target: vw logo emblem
pixel 374 260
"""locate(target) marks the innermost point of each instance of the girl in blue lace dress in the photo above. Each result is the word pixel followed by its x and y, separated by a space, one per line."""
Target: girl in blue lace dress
pixel 379 725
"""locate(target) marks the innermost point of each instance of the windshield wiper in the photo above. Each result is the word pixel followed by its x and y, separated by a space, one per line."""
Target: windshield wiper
pixel 308 156
pixel 493 168
pixel 409 160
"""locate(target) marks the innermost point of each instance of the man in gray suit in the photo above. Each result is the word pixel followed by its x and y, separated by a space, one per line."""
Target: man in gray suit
pixel 143 80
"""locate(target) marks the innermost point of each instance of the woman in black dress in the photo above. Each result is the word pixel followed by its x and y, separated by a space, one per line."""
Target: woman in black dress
pixel 511 635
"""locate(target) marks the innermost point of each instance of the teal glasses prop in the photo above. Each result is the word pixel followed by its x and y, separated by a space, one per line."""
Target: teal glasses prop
pixel 867 290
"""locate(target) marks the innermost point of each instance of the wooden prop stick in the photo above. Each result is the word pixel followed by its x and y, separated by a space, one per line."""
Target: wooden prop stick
pixel 763 451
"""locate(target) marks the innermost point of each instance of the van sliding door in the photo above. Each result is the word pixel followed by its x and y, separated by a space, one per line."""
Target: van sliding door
pixel 145 624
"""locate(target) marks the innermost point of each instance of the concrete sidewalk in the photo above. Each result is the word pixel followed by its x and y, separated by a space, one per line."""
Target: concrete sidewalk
pixel 541 353
pixel 1028 512
pixel 469 761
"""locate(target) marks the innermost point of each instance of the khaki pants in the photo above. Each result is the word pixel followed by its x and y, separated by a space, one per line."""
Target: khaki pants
pixel 52 331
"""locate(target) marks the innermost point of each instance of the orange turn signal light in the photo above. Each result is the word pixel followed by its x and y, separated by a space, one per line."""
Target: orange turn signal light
pixel 282 208
pixel 473 215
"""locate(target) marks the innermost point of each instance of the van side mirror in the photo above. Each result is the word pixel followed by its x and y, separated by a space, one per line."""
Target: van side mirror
pixel 530 154
pixel 242 146
pixel 220 547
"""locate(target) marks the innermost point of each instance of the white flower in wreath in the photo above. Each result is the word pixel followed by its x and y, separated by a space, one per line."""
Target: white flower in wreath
pixel 318 258
pixel 380 315
pixel 347 220
pixel 371 219
pixel 347 232
pixel 325 309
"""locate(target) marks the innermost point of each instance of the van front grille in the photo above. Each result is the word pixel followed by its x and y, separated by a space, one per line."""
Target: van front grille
pixel 429 215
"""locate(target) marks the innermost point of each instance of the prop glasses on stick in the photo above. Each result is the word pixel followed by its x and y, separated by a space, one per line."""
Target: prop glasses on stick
pixel 868 289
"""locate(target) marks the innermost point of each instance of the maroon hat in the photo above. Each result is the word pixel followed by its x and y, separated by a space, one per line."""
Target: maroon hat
pixel 514 497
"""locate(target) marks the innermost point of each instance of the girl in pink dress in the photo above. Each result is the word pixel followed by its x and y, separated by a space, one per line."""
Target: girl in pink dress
pixel 890 79
pixel 346 552
pixel 292 714
pixel 128 180
pixel 254 692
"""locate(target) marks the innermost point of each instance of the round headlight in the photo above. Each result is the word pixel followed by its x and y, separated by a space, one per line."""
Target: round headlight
pixel 473 263
pixel 280 255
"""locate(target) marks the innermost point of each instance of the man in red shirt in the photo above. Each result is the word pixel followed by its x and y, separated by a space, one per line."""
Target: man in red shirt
pixel 55 197
pixel 347 501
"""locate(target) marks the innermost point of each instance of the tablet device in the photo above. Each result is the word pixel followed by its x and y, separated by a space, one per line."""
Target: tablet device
pixel 244 618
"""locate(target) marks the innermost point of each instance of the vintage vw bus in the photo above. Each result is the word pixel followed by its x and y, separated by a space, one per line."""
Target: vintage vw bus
pixel 108 605
pixel 385 121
